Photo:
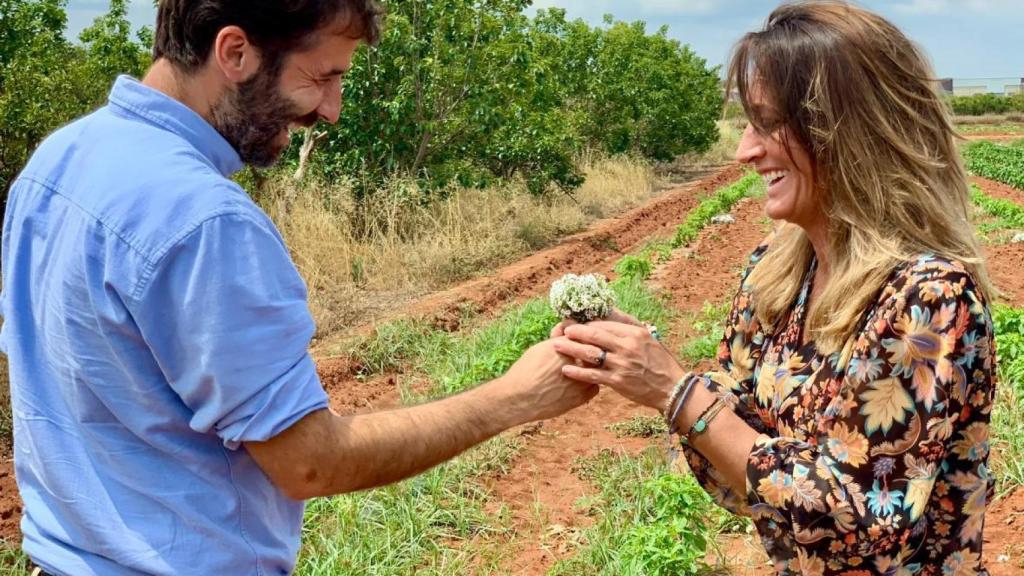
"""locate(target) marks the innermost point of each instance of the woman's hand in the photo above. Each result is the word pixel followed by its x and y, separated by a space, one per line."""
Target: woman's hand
pixel 616 316
pixel 635 364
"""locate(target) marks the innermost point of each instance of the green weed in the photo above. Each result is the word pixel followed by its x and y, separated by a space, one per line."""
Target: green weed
pixel 710 327
pixel 647 519
pixel 639 427
pixel 1008 414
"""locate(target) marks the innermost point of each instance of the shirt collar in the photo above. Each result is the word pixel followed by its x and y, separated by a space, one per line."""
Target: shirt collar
pixel 135 99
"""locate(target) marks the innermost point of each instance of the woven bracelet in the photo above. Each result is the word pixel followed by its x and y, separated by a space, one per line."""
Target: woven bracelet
pixel 701 425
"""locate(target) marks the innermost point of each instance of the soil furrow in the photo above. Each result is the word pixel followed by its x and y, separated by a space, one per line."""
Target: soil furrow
pixel 541 490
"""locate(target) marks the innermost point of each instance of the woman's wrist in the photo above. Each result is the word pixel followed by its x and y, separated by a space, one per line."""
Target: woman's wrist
pixel 700 399
pixel 661 394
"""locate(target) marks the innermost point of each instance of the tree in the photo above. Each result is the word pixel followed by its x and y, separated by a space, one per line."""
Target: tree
pixel 46 81
pixel 470 91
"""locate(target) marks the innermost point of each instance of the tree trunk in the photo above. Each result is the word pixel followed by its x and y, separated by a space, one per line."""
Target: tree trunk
pixel 309 142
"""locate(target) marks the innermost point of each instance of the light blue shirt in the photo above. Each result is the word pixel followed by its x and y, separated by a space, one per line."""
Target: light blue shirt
pixel 154 322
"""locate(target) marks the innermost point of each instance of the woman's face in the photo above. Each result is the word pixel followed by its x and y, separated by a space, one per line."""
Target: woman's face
pixel 788 174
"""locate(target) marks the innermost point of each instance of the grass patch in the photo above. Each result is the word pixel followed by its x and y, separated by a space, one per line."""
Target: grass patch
pixel 720 203
pixel 418 526
pixel 12 559
pixel 647 519
pixel 996 128
pixel 362 259
pixel 639 427
pixel 710 327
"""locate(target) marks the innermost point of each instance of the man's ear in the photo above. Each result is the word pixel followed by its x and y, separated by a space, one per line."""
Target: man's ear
pixel 234 55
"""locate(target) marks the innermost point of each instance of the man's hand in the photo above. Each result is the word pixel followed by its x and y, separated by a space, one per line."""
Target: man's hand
pixel 537 379
pixel 325 454
pixel 616 316
pixel 636 365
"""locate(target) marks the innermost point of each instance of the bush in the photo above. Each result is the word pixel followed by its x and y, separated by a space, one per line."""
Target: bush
pixel 981 104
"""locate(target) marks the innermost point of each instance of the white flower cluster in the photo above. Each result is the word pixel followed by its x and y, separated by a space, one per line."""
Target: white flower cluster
pixel 582 298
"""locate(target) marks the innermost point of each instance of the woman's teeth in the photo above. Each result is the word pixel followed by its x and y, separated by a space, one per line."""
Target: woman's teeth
pixel 773 177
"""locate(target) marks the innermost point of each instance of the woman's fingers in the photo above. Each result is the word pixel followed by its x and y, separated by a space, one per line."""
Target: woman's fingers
pixel 595 335
pixel 585 353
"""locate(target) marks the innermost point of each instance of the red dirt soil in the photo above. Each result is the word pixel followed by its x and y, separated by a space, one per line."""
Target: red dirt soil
pixel 541 477
pixel 1006 261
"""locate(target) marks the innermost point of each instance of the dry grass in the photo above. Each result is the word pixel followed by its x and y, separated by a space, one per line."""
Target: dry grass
pixel 362 260
pixel 990 119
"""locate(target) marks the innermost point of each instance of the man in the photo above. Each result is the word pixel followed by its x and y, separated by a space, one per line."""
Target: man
pixel 168 417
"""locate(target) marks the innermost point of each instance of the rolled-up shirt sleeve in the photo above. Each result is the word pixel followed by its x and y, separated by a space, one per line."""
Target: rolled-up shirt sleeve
pixel 225 314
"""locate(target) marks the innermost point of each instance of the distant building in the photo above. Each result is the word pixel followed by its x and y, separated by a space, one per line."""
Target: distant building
pixel 972 86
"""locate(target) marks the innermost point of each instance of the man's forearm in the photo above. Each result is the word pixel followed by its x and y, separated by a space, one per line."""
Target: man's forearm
pixel 364 451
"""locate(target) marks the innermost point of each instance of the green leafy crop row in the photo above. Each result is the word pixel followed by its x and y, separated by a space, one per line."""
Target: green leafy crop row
pixel 1002 163
pixel 639 265
pixel 1010 214
pixel 1009 327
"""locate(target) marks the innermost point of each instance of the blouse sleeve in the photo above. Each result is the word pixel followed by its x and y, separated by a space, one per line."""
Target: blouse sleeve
pixel 908 432
pixel 738 352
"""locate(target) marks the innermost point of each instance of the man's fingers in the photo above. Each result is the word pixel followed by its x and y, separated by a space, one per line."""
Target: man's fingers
pixel 588 375
pixel 595 335
pixel 584 352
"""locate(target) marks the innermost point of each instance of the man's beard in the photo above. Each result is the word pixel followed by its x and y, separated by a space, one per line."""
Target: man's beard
pixel 252 116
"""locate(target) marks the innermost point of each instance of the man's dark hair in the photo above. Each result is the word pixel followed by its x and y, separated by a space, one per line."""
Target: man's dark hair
pixel 186 29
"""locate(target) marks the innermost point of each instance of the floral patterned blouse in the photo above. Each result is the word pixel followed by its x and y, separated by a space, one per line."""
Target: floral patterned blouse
pixel 873 460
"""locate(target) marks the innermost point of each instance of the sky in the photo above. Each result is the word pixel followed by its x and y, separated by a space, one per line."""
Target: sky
pixel 963 38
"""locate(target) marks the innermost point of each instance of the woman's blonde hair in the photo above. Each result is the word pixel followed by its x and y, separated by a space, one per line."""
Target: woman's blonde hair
pixel 858 95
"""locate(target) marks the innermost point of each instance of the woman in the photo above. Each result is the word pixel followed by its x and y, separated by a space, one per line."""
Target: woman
pixel 850 419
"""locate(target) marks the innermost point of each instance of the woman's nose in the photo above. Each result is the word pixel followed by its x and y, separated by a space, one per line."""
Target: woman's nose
pixel 751 146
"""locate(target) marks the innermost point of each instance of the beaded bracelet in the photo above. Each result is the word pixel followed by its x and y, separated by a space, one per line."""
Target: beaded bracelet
pixel 676 402
pixel 701 425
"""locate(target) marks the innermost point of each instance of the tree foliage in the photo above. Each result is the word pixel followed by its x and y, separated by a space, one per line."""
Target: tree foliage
pixel 459 91
pixel 981 104
pixel 47 81
pixel 470 91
